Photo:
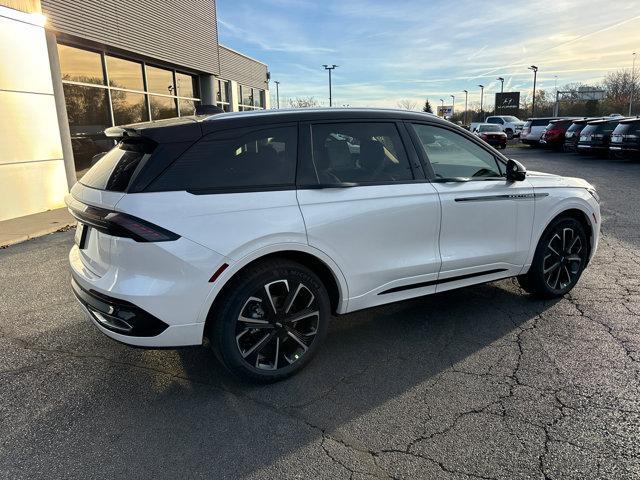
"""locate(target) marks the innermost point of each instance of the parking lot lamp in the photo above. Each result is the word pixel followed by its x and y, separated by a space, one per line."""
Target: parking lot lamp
pixel 466 97
pixel 330 67
pixel 501 84
pixel 277 94
pixel 481 102
pixel 533 102
pixel 453 104
pixel 633 82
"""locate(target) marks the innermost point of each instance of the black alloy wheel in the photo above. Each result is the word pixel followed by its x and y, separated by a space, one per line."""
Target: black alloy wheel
pixel 560 258
pixel 270 321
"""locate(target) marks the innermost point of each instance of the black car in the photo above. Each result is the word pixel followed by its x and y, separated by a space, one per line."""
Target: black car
pixel 596 136
pixel 625 139
pixel 572 135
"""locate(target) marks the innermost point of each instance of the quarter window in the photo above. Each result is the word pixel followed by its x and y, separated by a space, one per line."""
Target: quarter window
pixel 358 153
pixel 257 159
pixel 452 155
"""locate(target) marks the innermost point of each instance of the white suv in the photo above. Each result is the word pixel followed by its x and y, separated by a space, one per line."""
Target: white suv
pixel 251 229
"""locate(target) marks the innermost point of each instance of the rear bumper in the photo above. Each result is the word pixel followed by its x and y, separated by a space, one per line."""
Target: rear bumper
pixel 149 295
pixel 118 315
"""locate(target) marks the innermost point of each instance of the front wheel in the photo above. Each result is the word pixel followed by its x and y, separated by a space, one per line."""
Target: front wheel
pixel 270 321
pixel 509 133
pixel 559 260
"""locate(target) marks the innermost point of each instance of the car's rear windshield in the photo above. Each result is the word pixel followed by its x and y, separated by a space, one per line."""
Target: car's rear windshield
pixel 114 170
pixel 589 129
pixel 539 122
pixel 628 128
pixel 576 126
pixel 489 128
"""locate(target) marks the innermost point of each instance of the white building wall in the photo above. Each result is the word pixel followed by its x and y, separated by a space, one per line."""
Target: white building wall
pixel 32 171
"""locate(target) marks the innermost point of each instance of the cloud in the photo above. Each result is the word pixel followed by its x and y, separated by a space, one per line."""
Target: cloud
pixel 417 49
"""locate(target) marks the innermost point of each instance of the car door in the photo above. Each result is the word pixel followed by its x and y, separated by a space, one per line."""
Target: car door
pixel 486 220
pixel 367 204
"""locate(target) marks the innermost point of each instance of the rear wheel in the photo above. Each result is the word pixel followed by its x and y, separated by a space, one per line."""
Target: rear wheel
pixel 271 321
pixel 560 258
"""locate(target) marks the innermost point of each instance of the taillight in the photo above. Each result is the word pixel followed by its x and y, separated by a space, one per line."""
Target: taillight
pixel 120 224
pixel 483 136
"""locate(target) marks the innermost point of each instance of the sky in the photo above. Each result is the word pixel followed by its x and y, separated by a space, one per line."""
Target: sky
pixel 388 50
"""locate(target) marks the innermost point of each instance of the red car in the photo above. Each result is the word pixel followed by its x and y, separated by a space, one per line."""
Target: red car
pixel 554 135
pixel 492 134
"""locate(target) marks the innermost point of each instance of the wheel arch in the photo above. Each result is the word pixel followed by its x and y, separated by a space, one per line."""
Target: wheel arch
pixel 329 273
pixel 577 213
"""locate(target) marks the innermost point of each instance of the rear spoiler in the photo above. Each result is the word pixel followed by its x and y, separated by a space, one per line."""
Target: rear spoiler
pixel 121 132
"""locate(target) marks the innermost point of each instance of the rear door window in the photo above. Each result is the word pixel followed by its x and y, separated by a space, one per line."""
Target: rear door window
pixel 256 159
pixel 114 169
pixel 367 152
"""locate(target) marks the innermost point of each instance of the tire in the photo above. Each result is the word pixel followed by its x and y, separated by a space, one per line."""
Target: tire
pixel 509 133
pixel 559 260
pixel 259 344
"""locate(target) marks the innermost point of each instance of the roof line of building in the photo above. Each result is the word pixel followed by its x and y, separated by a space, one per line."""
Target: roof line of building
pixel 242 54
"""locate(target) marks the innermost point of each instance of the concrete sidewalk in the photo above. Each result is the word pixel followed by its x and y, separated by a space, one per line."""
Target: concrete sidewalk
pixel 24 228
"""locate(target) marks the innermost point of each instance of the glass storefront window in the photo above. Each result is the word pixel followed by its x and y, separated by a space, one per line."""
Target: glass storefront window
pixel 124 74
pixel 160 80
pixel 79 65
pixel 257 98
pixel 88 106
pixel 185 84
pixel 222 92
pixel 162 107
pixel 187 107
pixel 88 113
pixel 128 107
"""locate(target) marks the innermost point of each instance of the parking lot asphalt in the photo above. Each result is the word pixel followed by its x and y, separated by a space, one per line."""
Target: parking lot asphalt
pixel 484 382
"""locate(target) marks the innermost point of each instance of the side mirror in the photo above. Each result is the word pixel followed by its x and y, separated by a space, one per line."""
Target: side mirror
pixel 516 172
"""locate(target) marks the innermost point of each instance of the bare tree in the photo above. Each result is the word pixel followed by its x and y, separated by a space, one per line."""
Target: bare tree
pixel 406 104
pixel 619 85
pixel 303 102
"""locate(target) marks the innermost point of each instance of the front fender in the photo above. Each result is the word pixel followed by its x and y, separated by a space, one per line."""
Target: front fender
pixel 560 200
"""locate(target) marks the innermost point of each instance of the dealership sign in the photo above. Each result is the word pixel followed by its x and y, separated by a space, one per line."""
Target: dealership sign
pixel 445 110
pixel 507 102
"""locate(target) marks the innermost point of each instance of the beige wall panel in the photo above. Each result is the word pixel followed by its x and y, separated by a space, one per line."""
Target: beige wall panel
pixel 23 56
pixel 28 128
pixel 28 188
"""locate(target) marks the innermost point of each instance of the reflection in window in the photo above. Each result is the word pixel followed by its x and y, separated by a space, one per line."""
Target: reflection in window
pixel 124 74
pixel 80 65
pixel 162 107
pixel 185 85
pixel 88 113
pixel 128 107
pixel 160 80
pixel 187 107
pixel 452 155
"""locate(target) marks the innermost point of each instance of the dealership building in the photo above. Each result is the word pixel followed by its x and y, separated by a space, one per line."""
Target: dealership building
pixel 69 69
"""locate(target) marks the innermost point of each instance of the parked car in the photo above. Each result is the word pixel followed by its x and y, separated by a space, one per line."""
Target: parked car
pixel 625 139
pixel 509 124
pixel 554 133
pixel 532 130
pixel 572 135
pixel 492 134
pixel 251 229
pixel 596 136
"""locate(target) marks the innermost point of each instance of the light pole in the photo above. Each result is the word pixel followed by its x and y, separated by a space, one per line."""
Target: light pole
pixel 277 94
pixel 442 107
pixel 466 96
pixel 481 102
pixel 533 102
pixel 633 82
pixel 453 104
pixel 330 67
pixel 501 84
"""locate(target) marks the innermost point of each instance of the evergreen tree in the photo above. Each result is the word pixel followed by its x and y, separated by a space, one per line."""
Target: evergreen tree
pixel 427 107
